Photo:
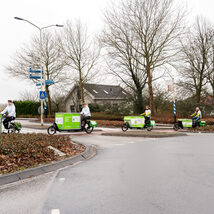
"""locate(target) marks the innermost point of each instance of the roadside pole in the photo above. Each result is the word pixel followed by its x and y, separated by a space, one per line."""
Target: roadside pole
pixel 172 89
pixel 174 104
pixel 43 75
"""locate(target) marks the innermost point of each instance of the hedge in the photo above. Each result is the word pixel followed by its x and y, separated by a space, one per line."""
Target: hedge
pixel 26 107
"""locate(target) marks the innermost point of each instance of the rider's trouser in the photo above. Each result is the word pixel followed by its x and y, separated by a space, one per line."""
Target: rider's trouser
pixel 147 120
pixel 7 120
pixel 84 121
pixel 196 121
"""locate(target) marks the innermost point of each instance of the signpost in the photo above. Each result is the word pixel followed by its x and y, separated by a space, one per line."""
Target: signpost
pixel 42 95
pixel 47 82
pixel 35 74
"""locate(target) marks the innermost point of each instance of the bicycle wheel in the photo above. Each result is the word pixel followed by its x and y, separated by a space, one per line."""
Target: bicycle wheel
pixel 51 130
pixel 176 127
pixel 149 128
pixel 124 127
pixel 88 129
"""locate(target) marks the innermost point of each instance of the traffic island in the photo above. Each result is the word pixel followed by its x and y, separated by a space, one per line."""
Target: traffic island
pixel 26 155
pixel 146 134
pixel 204 129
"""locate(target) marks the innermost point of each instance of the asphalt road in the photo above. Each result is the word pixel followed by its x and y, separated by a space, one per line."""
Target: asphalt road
pixel 128 176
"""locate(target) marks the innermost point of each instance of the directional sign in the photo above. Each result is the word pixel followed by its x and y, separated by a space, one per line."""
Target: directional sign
pixel 34 71
pixel 42 95
pixel 35 74
pixel 47 82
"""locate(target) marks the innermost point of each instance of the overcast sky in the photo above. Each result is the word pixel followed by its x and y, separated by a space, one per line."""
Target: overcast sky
pixel 44 12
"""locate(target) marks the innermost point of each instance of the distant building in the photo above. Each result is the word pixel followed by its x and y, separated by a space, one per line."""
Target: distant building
pixel 95 93
pixel 208 100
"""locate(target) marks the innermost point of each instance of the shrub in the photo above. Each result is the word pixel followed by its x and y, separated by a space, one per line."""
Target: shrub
pixel 94 107
pixel 26 107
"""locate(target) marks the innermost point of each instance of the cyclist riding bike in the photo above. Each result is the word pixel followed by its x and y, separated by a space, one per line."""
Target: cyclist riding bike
pixel 196 116
pixel 147 115
pixel 11 113
pixel 86 115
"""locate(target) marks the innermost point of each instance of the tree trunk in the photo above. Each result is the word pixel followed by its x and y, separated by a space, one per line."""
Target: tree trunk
pixel 81 87
pixel 151 97
pixel 139 106
pixel 198 95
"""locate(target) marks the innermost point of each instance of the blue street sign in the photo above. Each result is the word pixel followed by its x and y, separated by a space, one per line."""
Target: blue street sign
pixel 42 95
pixel 34 77
pixel 34 71
pixel 35 74
pixel 47 82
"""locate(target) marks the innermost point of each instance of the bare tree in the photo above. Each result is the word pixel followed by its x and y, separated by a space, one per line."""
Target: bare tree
pixel 156 27
pixel 29 57
pixel 29 95
pixel 122 55
pixel 195 63
pixel 210 65
pixel 81 53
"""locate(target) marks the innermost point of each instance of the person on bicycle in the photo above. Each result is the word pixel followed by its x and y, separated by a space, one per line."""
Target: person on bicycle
pixel 196 116
pixel 11 113
pixel 86 115
pixel 147 115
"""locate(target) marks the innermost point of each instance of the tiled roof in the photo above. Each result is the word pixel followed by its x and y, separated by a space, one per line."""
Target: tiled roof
pixel 106 91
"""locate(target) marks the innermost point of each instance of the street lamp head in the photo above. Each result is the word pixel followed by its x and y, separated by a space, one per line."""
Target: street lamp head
pixel 18 18
pixel 59 25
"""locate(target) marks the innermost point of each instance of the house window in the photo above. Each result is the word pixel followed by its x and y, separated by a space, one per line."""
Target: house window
pixel 106 91
pixel 72 108
pixel 95 91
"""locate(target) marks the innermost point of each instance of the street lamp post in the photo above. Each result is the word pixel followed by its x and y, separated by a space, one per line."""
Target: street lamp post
pixel 43 76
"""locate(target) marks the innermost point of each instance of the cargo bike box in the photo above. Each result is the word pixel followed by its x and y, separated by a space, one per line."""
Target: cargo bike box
pixel 70 122
pixel 137 122
pixel 187 123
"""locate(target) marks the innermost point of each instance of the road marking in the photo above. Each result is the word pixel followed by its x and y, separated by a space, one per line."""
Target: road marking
pixel 131 142
pixel 62 179
pixel 55 211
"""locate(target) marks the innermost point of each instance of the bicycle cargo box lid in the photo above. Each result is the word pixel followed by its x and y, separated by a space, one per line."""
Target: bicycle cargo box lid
pixel 93 123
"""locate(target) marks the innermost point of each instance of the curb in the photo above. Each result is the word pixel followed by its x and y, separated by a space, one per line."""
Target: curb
pixel 144 135
pixel 89 152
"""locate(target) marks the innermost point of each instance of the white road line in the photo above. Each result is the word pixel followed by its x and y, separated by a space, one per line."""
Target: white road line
pixel 62 179
pixel 131 142
pixel 55 211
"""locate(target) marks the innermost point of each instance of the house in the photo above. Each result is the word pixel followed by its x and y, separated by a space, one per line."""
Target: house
pixel 95 93
pixel 208 100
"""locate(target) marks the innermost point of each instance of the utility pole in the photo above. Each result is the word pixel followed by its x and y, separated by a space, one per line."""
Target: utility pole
pixel 43 75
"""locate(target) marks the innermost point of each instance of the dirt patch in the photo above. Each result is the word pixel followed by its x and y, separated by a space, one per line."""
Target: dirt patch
pixel 21 151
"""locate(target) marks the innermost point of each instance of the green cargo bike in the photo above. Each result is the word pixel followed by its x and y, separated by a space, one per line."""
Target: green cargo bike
pixel 187 123
pixel 137 122
pixel 70 122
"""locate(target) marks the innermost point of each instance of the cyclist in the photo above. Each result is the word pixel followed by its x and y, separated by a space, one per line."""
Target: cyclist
pixel 11 113
pixel 86 114
pixel 196 116
pixel 147 115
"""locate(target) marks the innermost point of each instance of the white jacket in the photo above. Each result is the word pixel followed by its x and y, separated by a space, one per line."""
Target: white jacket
pixel 86 112
pixel 11 110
